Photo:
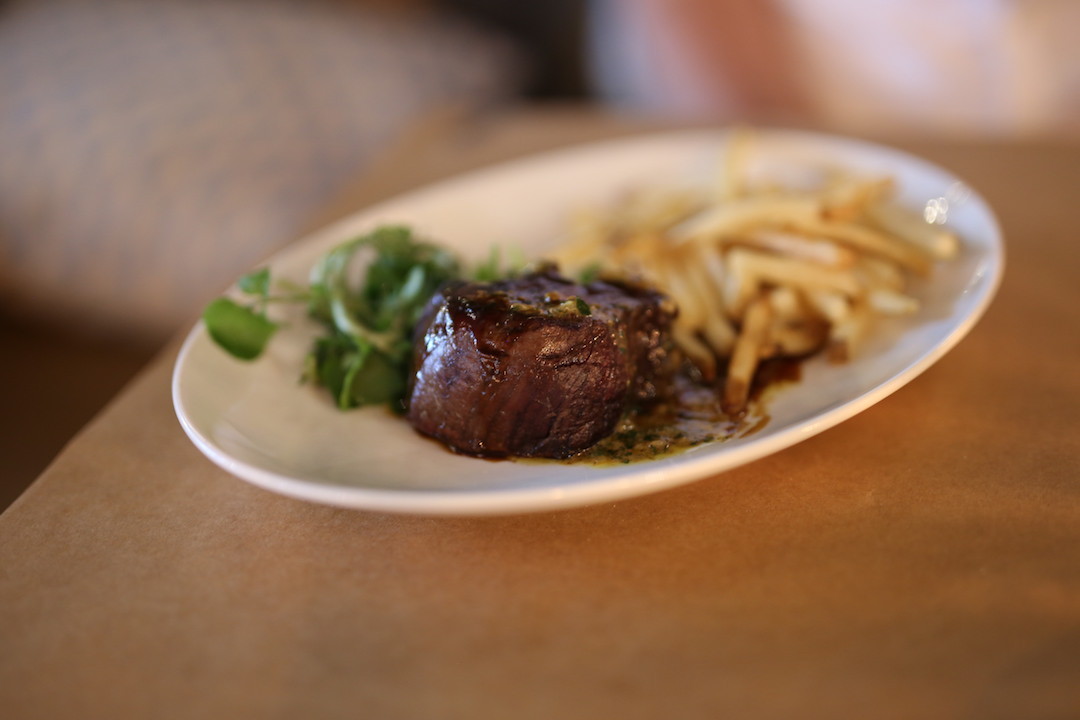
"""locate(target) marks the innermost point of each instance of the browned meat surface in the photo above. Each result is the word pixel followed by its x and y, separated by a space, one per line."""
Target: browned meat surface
pixel 537 366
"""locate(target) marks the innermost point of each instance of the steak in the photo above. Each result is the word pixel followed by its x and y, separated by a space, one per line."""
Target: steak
pixel 537 366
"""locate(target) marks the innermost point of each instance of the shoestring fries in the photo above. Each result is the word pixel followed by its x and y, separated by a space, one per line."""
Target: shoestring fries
pixel 762 269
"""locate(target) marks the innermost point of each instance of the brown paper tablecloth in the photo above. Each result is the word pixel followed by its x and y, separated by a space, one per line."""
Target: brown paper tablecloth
pixel 919 561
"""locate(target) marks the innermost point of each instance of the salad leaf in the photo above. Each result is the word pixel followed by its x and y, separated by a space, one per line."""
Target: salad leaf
pixel 242 331
pixel 365 359
pixel 493 268
pixel 368 293
pixel 256 283
pixel 589 274
pixel 401 277
pixel 488 271
pixel 355 375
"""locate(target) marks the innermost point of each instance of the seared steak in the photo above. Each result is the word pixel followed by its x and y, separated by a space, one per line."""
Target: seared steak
pixel 537 366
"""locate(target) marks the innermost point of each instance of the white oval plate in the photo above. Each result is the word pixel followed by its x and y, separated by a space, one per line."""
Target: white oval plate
pixel 257 422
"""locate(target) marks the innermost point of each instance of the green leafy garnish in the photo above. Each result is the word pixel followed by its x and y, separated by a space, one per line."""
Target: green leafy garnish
pixel 494 268
pixel 256 283
pixel 241 330
pixel 490 269
pixel 589 273
pixel 355 376
pixel 365 360
pixel 368 293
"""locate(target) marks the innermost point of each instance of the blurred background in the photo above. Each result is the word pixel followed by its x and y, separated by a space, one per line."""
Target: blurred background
pixel 152 150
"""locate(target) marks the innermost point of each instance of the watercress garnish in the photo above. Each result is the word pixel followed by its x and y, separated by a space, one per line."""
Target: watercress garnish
pixel 364 357
pixel 243 330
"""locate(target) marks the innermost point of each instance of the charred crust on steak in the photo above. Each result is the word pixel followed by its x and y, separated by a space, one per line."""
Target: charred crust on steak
pixel 537 366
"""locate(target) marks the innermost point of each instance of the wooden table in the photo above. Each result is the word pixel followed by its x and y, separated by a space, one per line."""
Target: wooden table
pixel 919 561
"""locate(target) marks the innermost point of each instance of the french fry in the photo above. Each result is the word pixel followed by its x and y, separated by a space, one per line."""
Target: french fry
pixel 737 215
pixel 691 312
pixel 848 334
pixel 848 197
pixel 819 250
pixel 797 339
pixel 831 305
pixel 796 330
pixel 731 180
pixel 656 211
pixel 761 268
pixel 888 302
pixel 749 348
pixel 911 257
pixel 786 303
pixel 714 326
pixel 939 241
pixel 641 250
pixel 712 263
pixel 698 352
pixel 874 272
pixel 741 284
pixel 794 272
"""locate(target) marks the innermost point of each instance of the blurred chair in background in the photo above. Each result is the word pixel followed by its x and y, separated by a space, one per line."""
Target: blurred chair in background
pixel 152 150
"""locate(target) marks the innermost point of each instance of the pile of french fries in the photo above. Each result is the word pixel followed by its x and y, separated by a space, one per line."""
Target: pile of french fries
pixel 760 270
